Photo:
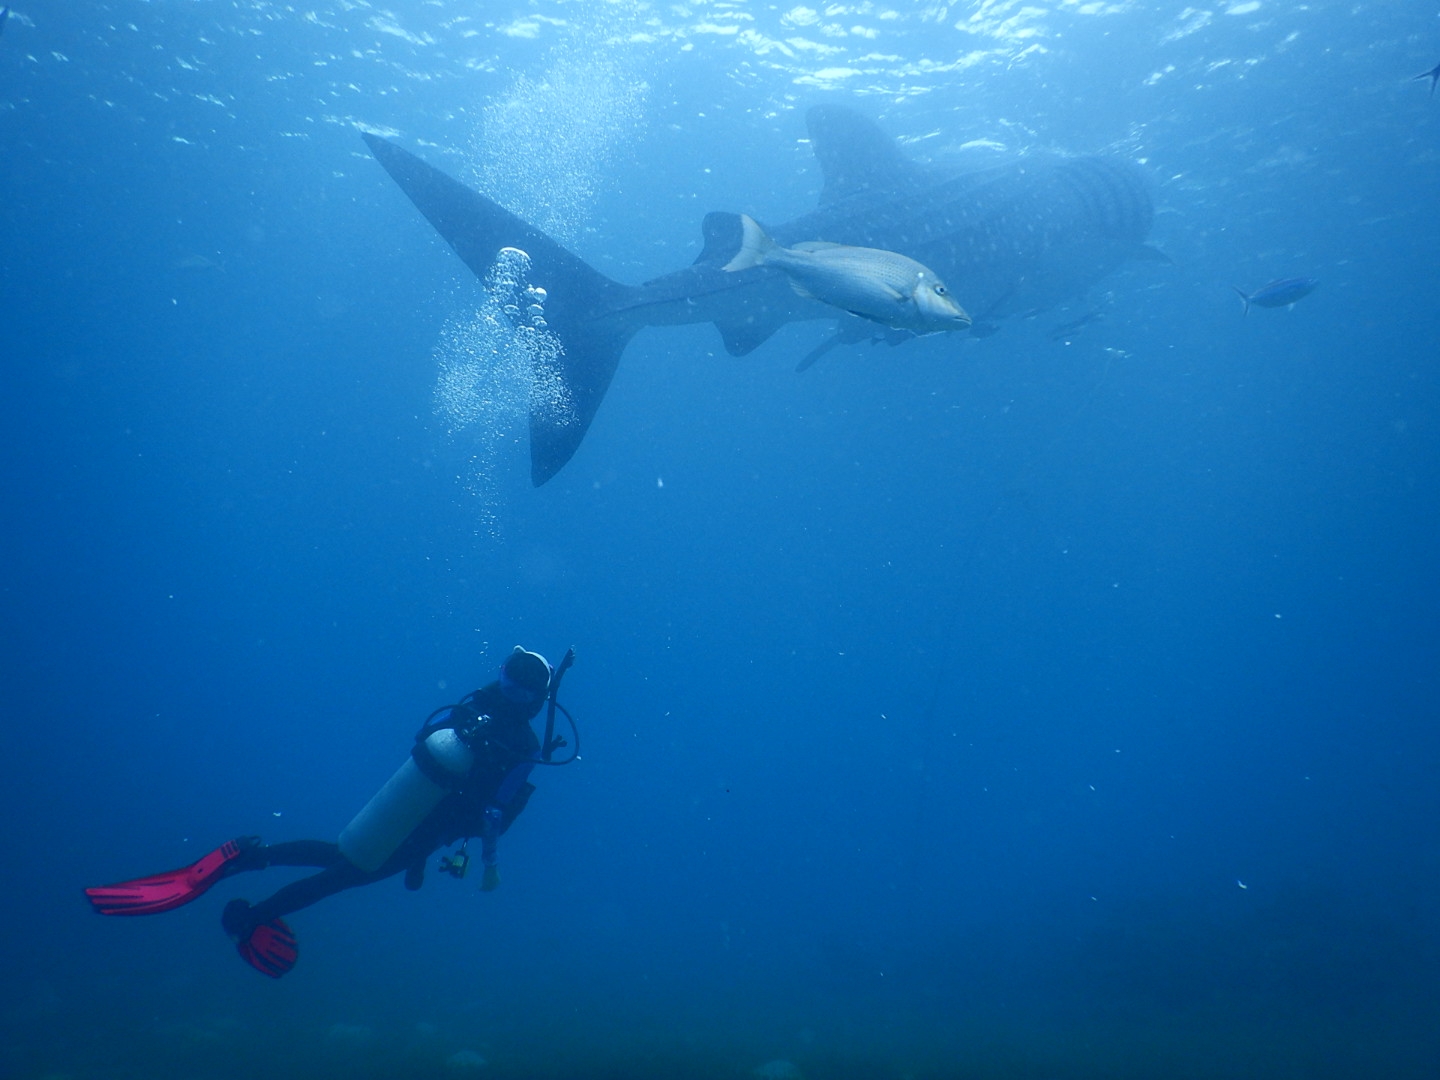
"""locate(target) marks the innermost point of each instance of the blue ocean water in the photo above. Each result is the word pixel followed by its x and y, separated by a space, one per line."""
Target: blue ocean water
pixel 1038 705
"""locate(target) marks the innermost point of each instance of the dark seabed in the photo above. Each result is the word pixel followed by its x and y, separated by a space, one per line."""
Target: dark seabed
pixel 1056 704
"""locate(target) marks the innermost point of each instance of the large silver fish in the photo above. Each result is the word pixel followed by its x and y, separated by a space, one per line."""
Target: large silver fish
pixel 890 288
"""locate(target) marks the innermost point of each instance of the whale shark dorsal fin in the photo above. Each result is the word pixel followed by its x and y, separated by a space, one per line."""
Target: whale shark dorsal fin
pixel 855 156
pixel 723 233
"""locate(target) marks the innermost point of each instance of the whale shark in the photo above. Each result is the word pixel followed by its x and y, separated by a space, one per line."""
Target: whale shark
pixel 1009 239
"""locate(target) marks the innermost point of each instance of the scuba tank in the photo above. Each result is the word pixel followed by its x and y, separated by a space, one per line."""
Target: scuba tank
pixel 438 764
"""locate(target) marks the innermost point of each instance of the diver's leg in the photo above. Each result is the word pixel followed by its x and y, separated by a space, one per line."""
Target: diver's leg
pixel 337 874
pixel 240 917
pixel 321 854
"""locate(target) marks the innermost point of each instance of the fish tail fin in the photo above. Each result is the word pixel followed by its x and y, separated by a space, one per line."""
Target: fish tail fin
pixel 584 309
pixel 566 389
pixel 1244 298
pixel 755 245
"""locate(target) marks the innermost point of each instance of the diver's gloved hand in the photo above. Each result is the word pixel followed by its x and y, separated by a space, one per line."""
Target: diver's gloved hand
pixel 491 879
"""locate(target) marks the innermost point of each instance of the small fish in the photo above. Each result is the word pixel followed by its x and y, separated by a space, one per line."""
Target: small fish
pixel 852 332
pixel 884 286
pixel 1433 75
pixel 1280 293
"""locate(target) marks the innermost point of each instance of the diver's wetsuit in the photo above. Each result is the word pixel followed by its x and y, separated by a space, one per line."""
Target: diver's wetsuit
pixel 503 744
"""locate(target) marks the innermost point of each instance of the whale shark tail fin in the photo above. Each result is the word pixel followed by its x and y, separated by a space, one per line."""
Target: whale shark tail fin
pixel 584 309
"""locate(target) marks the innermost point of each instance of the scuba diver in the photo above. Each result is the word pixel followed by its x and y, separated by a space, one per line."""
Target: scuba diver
pixel 467 776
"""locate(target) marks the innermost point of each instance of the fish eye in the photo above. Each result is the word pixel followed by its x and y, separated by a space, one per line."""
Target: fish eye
pixel 939 290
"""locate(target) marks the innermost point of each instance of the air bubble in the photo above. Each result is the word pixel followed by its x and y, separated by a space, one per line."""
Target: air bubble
pixel 498 366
